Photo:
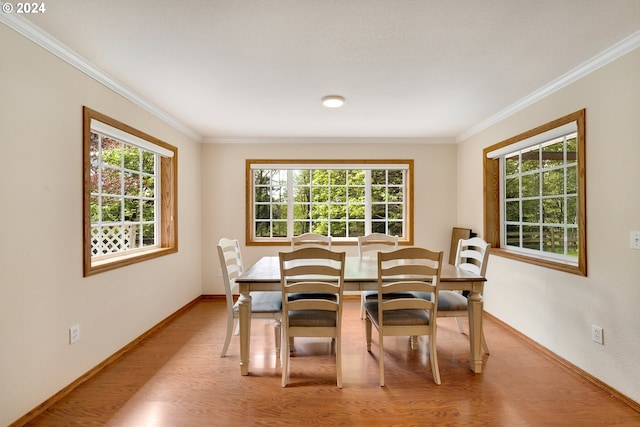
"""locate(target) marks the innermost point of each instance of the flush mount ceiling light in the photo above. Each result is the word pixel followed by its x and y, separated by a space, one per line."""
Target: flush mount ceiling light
pixel 333 101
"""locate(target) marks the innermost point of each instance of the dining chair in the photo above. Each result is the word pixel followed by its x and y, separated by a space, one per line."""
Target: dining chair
pixel 264 305
pixel 471 255
pixel 369 246
pixel 311 240
pixel 317 272
pixel 406 270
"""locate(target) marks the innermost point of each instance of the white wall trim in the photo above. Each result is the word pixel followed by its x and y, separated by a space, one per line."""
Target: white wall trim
pixel 611 54
pixel 329 140
pixel 40 37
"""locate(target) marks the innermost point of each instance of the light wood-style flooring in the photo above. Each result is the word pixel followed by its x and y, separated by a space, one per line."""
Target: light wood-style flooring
pixel 176 378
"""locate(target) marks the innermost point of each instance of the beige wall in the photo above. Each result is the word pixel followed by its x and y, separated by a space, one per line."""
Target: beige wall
pixel 557 309
pixel 42 291
pixel 223 192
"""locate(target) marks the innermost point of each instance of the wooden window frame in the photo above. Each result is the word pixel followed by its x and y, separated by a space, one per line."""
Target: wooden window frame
pixel 409 214
pixel 168 201
pixel 493 198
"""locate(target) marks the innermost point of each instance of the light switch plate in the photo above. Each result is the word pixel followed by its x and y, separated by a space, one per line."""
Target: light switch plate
pixel 635 240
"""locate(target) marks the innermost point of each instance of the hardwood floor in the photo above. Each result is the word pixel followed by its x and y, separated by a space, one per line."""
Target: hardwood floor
pixel 176 378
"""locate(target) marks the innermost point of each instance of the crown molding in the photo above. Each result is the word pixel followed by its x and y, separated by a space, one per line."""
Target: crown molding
pixel 329 140
pixel 605 57
pixel 43 39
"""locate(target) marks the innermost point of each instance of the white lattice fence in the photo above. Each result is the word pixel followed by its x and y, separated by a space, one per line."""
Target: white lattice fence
pixel 112 239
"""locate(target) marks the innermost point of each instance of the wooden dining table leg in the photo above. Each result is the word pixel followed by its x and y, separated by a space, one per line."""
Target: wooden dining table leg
pixel 244 308
pixel 475 305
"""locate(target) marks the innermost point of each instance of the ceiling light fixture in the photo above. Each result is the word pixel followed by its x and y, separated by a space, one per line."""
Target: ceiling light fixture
pixel 333 101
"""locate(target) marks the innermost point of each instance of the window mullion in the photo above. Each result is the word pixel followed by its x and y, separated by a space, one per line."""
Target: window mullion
pixel 566 205
pixel 540 186
pixel 520 195
pixel 122 195
pixel 290 200
pixel 367 202
pixel 99 195
pixel 404 204
pixel 329 201
pixel 157 189
pixel 139 227
pixel 502 177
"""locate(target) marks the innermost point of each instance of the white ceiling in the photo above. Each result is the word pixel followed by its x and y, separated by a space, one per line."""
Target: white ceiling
pixel 407 68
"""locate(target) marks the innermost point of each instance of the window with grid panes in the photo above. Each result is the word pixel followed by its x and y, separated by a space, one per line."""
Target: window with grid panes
pixel 129 185
pixel 535 195
pixel 540 198
pixel 341 199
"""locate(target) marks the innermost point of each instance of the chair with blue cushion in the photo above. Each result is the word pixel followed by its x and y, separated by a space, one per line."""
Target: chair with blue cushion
pixel 406 270
pixel 315 279
pixel 471 255
pixel 264 305
pixel 369 246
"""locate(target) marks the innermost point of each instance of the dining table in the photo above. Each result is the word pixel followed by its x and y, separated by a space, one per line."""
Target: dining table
pixel 360 274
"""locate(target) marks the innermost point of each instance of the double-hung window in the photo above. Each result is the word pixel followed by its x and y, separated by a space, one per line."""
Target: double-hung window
pixel 539 180
pixel 342 199
pixel 129 201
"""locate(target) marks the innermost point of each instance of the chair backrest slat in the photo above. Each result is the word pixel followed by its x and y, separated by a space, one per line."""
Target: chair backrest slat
pixel 373 243
pixel 311 240
pixel 313 270
pixel 407 304
pixel 409 286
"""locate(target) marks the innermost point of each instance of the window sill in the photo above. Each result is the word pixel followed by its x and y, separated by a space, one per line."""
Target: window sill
pixel 112 263
pixel 552 264
pixel 335 242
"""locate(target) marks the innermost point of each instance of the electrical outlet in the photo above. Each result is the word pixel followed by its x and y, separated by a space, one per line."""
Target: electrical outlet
pixel 597 334
pixel 74 334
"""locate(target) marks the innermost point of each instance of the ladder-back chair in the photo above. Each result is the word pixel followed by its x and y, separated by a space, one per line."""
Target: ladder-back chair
pixel 319 273
pixel 406 270
pixel 264 305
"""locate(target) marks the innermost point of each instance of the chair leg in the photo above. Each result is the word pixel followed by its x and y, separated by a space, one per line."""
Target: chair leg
pixel 278 331
pixel 414 342
pixel 367 329
pixel 227 339
pixel 433 355
pixel 339 361
pixel 362 310
pixel 381 357
pixel 285 362
pixel 459 323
